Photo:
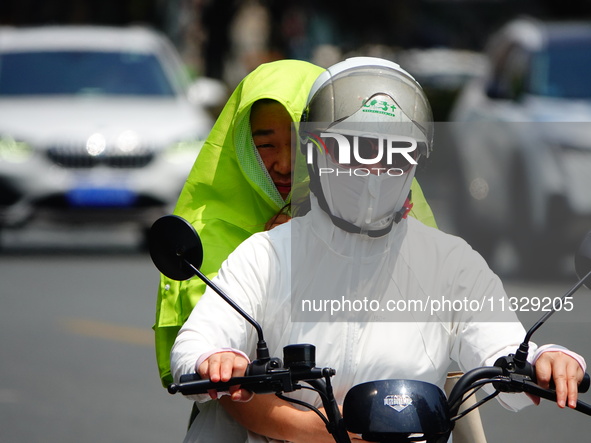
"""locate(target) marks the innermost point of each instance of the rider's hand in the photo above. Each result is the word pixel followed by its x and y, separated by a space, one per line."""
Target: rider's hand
pixel 221 367
pixel 566 373
pixel 277 220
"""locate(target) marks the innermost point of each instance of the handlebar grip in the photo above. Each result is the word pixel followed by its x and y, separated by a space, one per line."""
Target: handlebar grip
pixel 281 380
pixel 583 386
pixel 192 384
pixel 189 382
pixel 585 383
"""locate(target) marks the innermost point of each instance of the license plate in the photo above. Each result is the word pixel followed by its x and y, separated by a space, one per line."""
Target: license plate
pixel 101 197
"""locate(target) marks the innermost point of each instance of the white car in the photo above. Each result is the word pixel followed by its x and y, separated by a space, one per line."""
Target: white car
pixel 96 124
pixel 523 144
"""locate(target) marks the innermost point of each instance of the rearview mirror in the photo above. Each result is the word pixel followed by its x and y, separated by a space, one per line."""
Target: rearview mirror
pixel 173 242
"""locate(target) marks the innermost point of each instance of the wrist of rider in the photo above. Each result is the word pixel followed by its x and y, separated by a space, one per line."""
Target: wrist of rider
pixel 557 348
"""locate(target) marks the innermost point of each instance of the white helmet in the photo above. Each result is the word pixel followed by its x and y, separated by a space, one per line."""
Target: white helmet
pixel 360 112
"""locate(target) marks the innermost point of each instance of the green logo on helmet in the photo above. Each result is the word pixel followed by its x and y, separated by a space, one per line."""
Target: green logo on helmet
pixel 379 107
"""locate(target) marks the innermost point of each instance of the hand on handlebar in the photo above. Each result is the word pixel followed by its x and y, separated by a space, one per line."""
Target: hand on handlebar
pixel 221 367
pixel 564 371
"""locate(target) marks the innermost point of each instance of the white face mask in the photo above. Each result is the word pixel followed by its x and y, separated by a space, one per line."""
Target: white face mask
pixel 366 200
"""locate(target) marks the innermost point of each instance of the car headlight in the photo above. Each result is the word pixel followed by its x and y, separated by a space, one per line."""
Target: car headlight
pixel 14 151
pixel 183 152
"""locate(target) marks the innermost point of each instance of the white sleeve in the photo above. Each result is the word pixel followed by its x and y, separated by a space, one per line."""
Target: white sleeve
pixel 485 329
pixel 492 332
pixel 552 348
pixel 213 323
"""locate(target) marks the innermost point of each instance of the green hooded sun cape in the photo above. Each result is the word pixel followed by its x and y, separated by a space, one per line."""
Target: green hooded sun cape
pixel 229 195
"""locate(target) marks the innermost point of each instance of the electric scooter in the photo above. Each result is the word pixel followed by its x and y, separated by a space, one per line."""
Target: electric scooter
pixel 392 410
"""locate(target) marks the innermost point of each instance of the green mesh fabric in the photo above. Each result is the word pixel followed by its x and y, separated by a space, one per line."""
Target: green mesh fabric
pixel 251 163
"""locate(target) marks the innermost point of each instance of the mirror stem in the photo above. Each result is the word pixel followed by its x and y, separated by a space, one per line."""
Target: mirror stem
pixel 262 350
pixel 521 354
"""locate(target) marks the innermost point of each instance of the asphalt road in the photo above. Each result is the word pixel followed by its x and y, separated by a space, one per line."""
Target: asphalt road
pixel 77 362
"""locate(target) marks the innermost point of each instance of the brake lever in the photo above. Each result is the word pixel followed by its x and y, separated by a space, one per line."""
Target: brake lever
pixel 582 388
pixel 273 381
pixel 531 388
pixel 270 382
pixel 515 382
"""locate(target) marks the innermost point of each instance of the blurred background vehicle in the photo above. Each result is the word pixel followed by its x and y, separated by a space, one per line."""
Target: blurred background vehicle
pixel 442 72
pixel 523 149
pixel 97 124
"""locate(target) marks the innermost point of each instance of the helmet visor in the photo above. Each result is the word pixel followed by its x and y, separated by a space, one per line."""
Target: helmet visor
pixel 351 151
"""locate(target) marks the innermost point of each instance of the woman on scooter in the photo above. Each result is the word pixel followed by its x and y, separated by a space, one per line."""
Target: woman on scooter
pixel 327 277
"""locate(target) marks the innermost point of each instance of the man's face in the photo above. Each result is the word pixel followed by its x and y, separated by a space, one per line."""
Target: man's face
pixel 271 131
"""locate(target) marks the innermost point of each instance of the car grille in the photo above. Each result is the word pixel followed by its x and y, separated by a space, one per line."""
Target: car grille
pixel 71 157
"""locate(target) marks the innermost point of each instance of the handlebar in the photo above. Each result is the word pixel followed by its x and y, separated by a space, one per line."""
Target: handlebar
pixel 285 380
pixel 514 380
pixel 274 381
pixel 549 394
pixel 504 376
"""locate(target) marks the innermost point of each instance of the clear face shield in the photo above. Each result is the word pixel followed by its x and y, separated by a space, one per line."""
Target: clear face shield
pixel 388 140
